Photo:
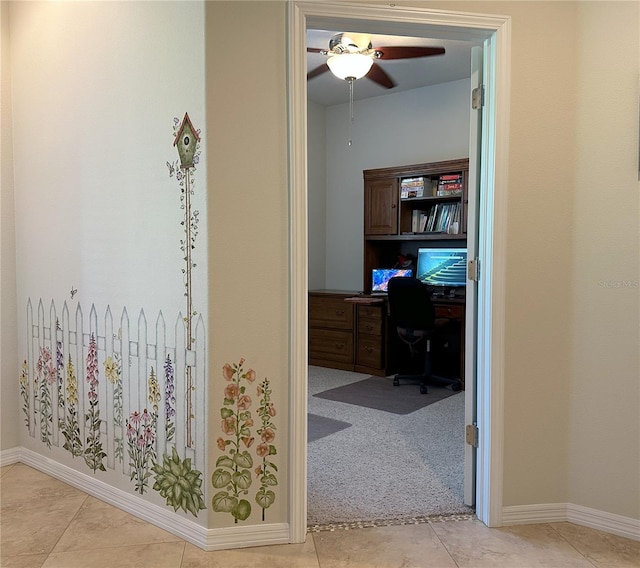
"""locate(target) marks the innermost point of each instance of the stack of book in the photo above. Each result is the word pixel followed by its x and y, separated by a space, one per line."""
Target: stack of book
pixel 411 187
pixel 450 184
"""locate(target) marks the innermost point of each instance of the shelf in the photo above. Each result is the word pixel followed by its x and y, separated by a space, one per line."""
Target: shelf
pixel 416 237
pixel 432 199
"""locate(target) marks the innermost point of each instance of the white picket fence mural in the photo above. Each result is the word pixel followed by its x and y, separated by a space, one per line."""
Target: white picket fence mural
pixel 113 391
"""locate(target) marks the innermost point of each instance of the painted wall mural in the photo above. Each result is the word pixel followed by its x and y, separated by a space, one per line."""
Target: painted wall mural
pixel 233 476
pixel 125 396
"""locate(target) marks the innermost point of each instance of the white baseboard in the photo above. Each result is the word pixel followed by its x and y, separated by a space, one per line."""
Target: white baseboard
pixel 577 514
pixel 10 456
pixel 208 539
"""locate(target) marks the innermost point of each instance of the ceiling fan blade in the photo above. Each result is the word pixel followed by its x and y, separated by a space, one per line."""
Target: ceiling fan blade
pixel 314 50
pixel 408 52
pixel 379 75
pixel 318 71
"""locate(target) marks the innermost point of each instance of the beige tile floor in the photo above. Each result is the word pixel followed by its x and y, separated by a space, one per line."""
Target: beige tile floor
pixel 45 523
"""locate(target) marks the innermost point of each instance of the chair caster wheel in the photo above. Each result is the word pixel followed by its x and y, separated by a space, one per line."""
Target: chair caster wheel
pixel 396 382
pixel 456 387
pixel 423 389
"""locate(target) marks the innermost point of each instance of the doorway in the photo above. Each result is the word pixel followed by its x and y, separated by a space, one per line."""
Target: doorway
pixel 493 31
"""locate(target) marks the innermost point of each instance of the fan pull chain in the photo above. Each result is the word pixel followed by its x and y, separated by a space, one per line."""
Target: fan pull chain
pixel 351 118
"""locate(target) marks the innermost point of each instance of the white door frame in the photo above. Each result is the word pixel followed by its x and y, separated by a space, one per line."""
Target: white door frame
pixel 494 31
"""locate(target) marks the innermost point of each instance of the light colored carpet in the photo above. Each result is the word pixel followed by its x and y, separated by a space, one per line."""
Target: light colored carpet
pixel 385 466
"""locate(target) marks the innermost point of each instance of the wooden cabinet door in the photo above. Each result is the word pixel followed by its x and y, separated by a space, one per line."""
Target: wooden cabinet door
pixel 381 207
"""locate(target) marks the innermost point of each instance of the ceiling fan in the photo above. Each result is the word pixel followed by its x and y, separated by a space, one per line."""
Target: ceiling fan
pixel 352 56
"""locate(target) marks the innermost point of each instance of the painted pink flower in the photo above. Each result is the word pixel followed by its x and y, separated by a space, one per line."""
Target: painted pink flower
pixel 141 441
pixel 248 423
pixel 131 431
pixel 92 395
pixel 50 373
pixel 244 402
pixel 221 444
pixel 232 391
pixel 145 417
pixel 262 450
pixel 272 409
pixel 268 435
pixel 227 372
pixel 250 375
pixel 149 435
pixel 248 441
pixel 229 425
pixel 135 418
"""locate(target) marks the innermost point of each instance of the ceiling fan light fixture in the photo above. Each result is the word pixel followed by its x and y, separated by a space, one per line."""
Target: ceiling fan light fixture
pixel 350 66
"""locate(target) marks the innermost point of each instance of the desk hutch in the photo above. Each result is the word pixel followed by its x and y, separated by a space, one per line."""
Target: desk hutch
pixel 353 334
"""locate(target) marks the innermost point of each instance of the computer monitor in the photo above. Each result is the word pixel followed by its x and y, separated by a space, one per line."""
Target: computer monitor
pixel 442 267
pixel 380 278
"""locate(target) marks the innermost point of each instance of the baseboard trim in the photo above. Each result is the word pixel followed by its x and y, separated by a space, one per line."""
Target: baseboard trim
pixel 10 456
pixel 202 537
pixel 577 514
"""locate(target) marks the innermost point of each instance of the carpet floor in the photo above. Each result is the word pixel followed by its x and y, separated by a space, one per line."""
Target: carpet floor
pixel 384 466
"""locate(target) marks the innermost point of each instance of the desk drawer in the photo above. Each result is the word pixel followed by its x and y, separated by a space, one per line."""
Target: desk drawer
pixel 331 345
pixel 369 326
pixel 451 312
pixel 370 312
pixel 329 312
pixel 369 352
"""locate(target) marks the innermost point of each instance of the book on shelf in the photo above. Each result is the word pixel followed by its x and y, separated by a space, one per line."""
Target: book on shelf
pixel 449 184
pixel 441 218
pixel 411 187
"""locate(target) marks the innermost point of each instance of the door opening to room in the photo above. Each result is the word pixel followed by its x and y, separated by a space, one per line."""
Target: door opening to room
pixel 388 441
pixel 486 170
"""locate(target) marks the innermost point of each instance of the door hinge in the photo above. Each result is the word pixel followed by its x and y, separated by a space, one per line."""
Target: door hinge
pixel 477 98
pixel 473 269
pixel 471 436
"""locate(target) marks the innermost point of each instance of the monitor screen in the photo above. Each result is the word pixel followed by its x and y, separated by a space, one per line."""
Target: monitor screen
pixel 380 277
pixel 442 266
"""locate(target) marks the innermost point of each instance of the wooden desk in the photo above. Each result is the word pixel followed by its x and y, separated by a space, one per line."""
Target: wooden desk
pixel 352 332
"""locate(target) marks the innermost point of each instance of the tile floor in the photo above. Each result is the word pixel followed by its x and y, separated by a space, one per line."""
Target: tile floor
pixel 45 523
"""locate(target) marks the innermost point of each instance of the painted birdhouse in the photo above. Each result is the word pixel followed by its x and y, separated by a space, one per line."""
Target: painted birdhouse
pixel 186 141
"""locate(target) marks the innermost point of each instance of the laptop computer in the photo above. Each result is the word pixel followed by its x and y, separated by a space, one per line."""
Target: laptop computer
pixel 380 278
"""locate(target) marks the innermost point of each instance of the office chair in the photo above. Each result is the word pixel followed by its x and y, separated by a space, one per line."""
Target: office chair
pixel 414 319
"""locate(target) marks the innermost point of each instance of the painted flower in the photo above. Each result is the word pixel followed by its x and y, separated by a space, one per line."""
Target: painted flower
pixel 272 409
pixel 268 435
pixel 229 425
pixel 248 441
pixel 131 431
pixel 134 419
pixel 250 375
pixel 92 395
pixel 221 444
pixel 111 370
pixel 227 372
pixel 244 402
pixel 231 391
pixel 262 450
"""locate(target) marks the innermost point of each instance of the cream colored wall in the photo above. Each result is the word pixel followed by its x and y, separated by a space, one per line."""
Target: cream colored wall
pixel 571 349
pixel 248 209
pixel 9 419
pixel 605 379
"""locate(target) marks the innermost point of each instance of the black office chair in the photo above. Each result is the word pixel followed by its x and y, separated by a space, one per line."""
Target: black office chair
pixel 413 317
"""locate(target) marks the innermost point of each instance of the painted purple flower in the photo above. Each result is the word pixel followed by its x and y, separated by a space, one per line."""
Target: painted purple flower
pixel 134 419
pixel 131 431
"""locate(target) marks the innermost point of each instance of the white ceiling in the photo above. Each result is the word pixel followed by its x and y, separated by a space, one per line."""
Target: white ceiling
pixel 328 90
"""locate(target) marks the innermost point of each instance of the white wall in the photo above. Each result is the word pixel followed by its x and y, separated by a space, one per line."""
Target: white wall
pixel 422 125
pixel 9 419
pixel 316 194
pixel 96 89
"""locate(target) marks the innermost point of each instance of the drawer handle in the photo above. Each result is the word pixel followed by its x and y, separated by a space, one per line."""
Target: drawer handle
pixel 339 312
pixel 369 327
pixel 339 345
pixel 368 349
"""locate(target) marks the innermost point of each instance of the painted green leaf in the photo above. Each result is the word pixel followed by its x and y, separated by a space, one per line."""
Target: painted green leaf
pixel 224 461
pixel 242 478
pixel 242 510
pixel 222 502
pixel 243 459
pixel 265 498
pixel 226 413
pixel 269 479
